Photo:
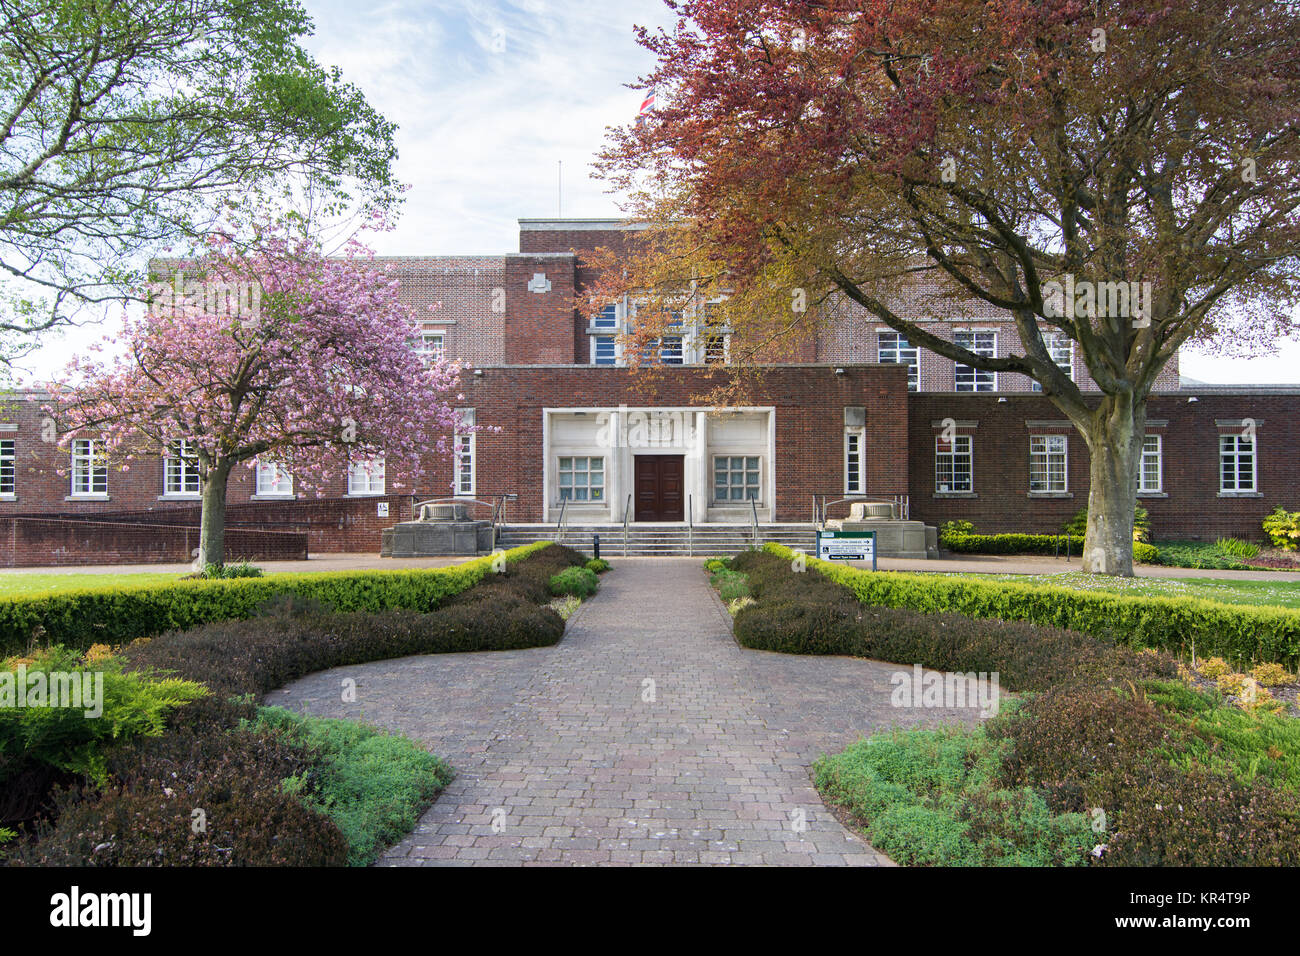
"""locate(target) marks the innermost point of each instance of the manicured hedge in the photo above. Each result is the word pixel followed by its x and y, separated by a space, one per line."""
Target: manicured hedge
pixel 1030 544
pixel 1238 633
pixel 120 614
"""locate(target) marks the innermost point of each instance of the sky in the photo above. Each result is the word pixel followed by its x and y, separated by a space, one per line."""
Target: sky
pixel 493 98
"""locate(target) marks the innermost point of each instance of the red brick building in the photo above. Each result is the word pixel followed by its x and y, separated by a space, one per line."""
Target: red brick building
pixel 566 427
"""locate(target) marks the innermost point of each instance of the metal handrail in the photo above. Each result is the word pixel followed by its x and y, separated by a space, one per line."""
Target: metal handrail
pixel 690 527
pixel 496 502
pixel 754 507
pixel 627 513
pixel 821 506
pixel 560 525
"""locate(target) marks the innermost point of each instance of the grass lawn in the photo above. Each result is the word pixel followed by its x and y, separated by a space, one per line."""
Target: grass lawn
pixel 39 582
pixel 1259 593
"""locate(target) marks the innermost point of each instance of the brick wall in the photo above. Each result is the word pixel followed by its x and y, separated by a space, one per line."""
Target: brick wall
pixel 53 542
pixel 1189 507
pixel 809 403
pixel 539 325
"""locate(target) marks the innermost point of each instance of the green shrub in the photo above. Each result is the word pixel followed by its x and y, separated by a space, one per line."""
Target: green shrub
pixel 1239 632
pixel 119 614
pixel 1198 554
pixel 730 585
pixel 956 527
pixel 232 776
pixel 1030 544
pixel 373 785
pixel 218 572
pixel 1078 525
pixel 579 582
pixel 1283 528
pixel 73 738
pixel 1237 548
pixel 598 565
pixel 713 565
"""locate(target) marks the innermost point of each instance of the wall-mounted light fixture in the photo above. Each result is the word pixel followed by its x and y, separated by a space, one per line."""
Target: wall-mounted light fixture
pixel 1192 399
pixel 1002 400
pixel 839 371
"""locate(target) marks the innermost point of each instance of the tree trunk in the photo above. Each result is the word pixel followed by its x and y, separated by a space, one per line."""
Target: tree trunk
pixel 1115 440
pixel 212 524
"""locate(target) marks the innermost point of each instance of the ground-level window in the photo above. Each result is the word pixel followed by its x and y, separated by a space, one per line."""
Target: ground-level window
pixel 89 468
pixel 273 480
pixel 464 463
pixel 967 378
pixel 366 477
pixel 735 478
pixel 1047 463
pixel 603 350
pixel 1237 463
pixel 854 462
pixel 1151 471
pixel 582 478
pixel 894 349
pixel 953 465
pixel 8 462
pixel 181 471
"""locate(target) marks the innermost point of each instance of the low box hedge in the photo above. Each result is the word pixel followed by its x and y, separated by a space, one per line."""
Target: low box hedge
pixel 1031 544
pixel 120 614
pixel 1238 633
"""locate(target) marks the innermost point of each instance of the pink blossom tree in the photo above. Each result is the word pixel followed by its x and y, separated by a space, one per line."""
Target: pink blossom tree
pixel 267 350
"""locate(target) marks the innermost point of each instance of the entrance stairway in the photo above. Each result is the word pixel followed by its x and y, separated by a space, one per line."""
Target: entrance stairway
pixel 647 539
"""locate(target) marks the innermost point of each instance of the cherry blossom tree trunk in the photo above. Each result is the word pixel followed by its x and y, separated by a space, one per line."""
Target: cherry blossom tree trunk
pixel 212 523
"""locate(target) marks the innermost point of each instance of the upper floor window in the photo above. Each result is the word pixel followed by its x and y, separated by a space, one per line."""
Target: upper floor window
pixel 606 318
pixel 1048 463
pixel 604 350
pixel 273 480
pixel 670 350
pixel 8 467
pixel 432 344
pixel 953 465
pixel 967 378
pixel 894 349
pixel 181 471
pixel 89 468
pixel 1061 349
pixel 366 477
pixel 1151 470
pixel 1238 465
pixel 717 349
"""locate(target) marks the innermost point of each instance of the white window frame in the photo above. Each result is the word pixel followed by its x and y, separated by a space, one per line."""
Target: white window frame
pixel 1236 454
pixel 595 491
pixel 951 456
pixel 975 376
pixel 8 468
pixel 273 480
pixel 93 478
pixel 616 351
pixel 367 479
pixel 895 353
pixel 1052 340
pixel 430 353
pixel 855 458
pixel 1046 452
pixel 178 468
pixel 1156 454
pixel 745 484
pixel 464 452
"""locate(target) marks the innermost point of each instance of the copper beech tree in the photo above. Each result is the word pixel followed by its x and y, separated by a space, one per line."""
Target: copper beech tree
pixel 1123 174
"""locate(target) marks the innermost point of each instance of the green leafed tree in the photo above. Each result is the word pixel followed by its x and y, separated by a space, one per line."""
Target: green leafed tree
pixel 126 125
pixel 1122 175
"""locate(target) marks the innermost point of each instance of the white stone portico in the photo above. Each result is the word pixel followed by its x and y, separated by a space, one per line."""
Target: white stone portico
pixel 726 461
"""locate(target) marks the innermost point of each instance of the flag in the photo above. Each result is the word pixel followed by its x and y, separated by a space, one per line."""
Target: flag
pixel 647 105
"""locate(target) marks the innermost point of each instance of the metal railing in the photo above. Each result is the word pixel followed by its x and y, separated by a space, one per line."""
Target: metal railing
pixel 497 504
pixel 560 525
pixel 690 527
pixel 821 505
pixel 627 515
pixel 753 506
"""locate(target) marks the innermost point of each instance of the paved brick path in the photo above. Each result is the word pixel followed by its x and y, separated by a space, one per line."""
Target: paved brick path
pixel 578 766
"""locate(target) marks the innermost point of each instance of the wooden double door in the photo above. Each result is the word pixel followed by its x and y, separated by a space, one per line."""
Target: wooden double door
pixel 660 488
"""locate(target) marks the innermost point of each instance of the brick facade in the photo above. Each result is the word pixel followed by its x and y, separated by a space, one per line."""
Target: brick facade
pixel 516 319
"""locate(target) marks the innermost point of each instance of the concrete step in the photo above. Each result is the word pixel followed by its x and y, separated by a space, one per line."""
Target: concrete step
pixel 661 540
